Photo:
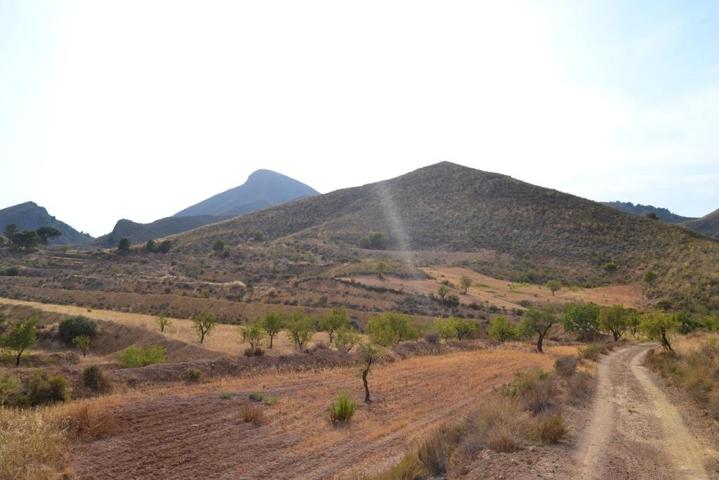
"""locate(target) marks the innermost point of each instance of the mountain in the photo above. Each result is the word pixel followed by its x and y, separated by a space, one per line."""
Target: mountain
pixel 511 227
pixel 142 232
pixel 264 188
pixel 662 214
pixel 708 225
pixel 31 216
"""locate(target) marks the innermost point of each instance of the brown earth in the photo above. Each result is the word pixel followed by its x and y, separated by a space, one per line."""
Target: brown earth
pixel 191 432
pixel 636 432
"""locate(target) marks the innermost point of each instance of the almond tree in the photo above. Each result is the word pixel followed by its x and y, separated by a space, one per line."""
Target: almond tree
pixel 203 324
pixel 539 322
pixel 22 336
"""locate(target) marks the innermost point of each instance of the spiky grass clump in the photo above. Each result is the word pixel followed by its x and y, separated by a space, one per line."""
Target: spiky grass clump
pixel 342 409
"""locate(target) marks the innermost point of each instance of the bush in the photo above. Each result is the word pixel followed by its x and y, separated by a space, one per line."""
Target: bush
pixel 580 387
pixel 550 429
pixel 134 357
pixel 501 330
pixel 593 351
pixel 11 393
pixel 566 366
pixel 342 409
pixel 498 425
pixel 93 379
pixel 435 451
pixel 193 375
pixel 76 326
pixel 390 328
pixel 43 389
pixel 346 339
pixel 535 390
pixel 253 352
pixel 252 414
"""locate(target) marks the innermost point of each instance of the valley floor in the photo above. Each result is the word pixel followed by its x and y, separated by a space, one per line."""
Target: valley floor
pixel 197 432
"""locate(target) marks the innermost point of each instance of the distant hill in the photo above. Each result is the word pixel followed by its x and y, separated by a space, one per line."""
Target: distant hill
pixel 708 225
pixel 448 207
pixel 263 189
pixel 142 232
pixel 662 214
pixel 31 216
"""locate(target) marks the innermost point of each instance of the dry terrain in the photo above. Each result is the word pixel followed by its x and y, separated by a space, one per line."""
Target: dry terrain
pixel 198 432
pixel 636 432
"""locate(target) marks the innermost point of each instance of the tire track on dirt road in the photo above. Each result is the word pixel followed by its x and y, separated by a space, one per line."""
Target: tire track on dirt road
pixel 635 432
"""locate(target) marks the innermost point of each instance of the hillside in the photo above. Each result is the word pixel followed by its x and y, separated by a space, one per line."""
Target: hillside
pixel 31 216
pixel 142 232
pixel 662 214
pixel 708 225
pixel 448 207
pixel 264 188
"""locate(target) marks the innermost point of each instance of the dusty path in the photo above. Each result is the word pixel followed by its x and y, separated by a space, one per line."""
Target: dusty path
pixel 635 432
pixel 191 432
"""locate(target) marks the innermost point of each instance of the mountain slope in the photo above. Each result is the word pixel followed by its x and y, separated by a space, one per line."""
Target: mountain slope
pixel 264 188
pixel 30 216
pixel 708 225
pixel 662 214
pixel 448 207
pixel 142 232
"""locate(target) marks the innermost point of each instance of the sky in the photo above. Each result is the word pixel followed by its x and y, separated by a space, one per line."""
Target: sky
pixel 138 109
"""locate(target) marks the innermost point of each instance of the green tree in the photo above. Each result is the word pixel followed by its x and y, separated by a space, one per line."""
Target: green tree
pixel 381 270
pixel 465 282
pixel 446 328
pixel 22 336
pixel 390 328
pixel 203 324
pixel 27 240
pixel 10 231
pixel 82 342
pixel 553 286
pixel 582 319
pixel 253 334
pixel 614 319
pixel 123 246
pixel 346 339
pixel 539 322
pixel 442 292
pixel 218 246
pixel 465 328
pixel 649 276
pixel 656 325
pixel 501 329
pixel 272 324
pixel 299 326
pixel 151 246
pixel 370 354
pixel 163 322
pixel 46 233
pixel 334 321
pixel 164 246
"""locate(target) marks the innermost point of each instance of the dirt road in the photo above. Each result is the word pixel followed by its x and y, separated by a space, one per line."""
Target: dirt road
pixel 635 432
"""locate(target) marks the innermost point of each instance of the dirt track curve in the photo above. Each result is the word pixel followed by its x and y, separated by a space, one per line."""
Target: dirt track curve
pixel 635 432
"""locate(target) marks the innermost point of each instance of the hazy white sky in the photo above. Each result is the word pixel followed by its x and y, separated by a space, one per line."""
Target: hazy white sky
pixel 137 109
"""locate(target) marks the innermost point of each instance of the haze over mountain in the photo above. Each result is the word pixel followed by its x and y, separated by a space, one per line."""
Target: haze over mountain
pixel 264 188
pixel 708 224
pixel 663 214
pixel 449 207
pixel 31 216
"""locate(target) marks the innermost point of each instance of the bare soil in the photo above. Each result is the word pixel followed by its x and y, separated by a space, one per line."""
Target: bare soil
pixel 636 432
pixel 191 432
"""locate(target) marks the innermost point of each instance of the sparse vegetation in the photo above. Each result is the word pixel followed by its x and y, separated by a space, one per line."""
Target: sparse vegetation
pixel 82 342
pixel 94 380
pixel 391 328
pixel 272 324
pixel 502 330
pixel 342 409
pixel 253 414
pixel 300 328
pixel 134 357
pixel 22 336
pixel 204 323
pixel 163 322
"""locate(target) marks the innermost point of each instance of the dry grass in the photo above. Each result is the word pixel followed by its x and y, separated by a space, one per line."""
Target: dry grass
pixel 34 443
pixel 253 414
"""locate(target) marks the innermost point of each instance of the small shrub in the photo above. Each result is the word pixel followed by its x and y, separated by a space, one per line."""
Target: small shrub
pixel 253 352
pixel 252 414
pixel 435 451
pixel 11 393
pixel 550 429
pixel 409 468
pixel 535 390
pixel 256 397
pixel 342 409
pixel 43 389
pixel 580 386
pixel 76 326
pixel 226 395
pixel 501 330
pixel 593 351
pixel 193 375
pixel 89 422
pixel 134 357
pixel 93 379
pixel 566 366
pixel 498 425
